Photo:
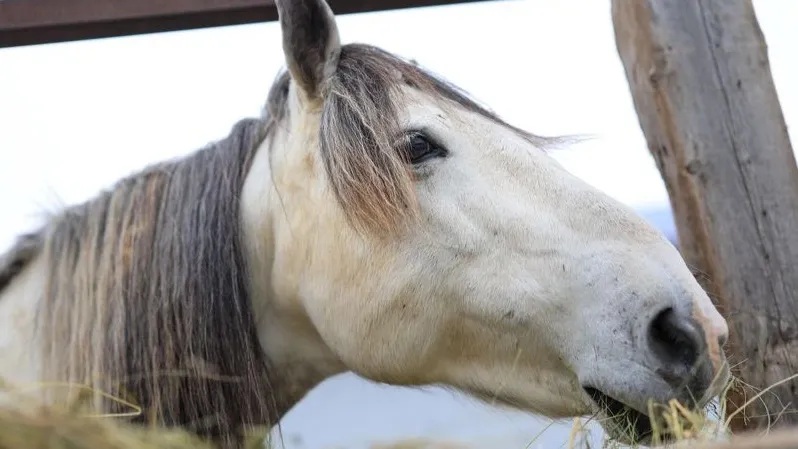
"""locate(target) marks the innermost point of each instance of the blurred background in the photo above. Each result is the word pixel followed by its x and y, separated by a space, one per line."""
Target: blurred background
pixel 75 117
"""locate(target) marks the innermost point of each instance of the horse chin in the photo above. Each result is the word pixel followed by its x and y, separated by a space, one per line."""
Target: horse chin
pixel 621 422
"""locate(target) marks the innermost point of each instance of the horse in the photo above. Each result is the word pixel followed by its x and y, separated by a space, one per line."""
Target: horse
pixel 374 219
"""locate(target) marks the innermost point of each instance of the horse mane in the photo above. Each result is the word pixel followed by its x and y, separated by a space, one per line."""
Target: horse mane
pixel 147 286
pixel 146 297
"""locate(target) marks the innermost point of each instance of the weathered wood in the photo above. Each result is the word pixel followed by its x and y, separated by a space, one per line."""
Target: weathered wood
pixel 701 84
pixel 784 439
pixel 31 22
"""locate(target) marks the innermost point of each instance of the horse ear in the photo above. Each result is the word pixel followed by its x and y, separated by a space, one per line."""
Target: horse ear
pixel 310 42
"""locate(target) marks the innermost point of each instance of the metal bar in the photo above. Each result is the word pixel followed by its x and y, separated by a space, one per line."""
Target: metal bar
pixel 32 22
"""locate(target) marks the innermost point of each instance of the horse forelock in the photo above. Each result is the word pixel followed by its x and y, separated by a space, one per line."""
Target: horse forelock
pixel 360 134
pixel 147 296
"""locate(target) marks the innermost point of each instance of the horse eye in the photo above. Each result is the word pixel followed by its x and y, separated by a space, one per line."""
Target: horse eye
pixel 421 149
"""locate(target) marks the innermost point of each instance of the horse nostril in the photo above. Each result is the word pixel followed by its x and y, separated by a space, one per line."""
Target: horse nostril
pixel 675 341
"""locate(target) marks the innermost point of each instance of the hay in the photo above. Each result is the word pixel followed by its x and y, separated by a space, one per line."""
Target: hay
pixel 25 424
pixel 690 429
pixel 49 429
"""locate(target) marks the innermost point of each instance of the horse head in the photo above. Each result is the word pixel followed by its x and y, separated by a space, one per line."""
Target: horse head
pixel 416 238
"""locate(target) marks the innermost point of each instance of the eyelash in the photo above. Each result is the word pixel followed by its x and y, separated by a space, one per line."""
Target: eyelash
pixel 420 148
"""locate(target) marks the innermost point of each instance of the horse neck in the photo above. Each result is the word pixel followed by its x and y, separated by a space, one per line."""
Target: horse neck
pixel 286 333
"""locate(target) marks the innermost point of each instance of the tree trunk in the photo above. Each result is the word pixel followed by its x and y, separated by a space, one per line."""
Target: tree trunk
pixel 704 95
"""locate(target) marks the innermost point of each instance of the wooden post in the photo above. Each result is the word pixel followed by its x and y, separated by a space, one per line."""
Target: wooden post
pixel 701 84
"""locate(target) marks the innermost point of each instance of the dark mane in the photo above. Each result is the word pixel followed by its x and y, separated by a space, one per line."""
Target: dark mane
pixel 147 295
pixel 147 298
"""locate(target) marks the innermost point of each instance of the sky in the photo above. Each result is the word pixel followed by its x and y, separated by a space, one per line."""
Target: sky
pixel 76 116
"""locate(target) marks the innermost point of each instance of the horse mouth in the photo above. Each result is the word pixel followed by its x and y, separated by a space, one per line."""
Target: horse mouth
pixel 628 423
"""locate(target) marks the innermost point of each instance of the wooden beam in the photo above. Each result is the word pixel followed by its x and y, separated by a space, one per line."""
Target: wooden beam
pixel 30 22
pixel 701 84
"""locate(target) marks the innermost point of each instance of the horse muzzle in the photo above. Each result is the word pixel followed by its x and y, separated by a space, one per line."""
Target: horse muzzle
pixel 675 361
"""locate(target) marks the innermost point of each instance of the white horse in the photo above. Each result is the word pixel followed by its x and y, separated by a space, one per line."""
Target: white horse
pixel 374 220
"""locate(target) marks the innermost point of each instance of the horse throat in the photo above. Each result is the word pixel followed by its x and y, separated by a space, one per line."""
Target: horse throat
pixel 297 353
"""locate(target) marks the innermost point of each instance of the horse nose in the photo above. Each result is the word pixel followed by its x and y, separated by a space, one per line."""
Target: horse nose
pixel 677 344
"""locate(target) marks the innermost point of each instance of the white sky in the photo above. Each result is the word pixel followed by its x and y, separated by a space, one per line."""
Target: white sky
pixel 74 117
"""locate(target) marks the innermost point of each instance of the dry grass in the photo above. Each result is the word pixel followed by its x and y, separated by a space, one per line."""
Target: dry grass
pixel 26 425
pixel 23 426
pixel 45 429
pixel 708 429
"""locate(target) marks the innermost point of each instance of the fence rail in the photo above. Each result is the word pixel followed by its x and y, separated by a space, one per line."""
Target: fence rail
pixel 30 22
